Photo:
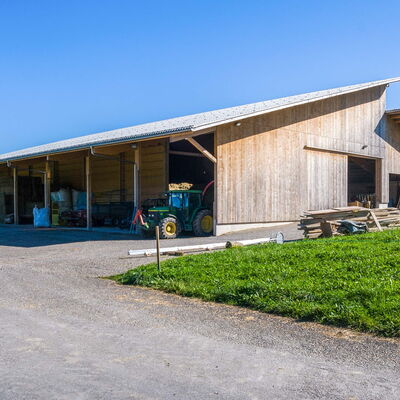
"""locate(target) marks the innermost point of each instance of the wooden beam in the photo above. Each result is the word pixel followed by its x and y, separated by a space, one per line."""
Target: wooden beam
pixel 186 153
pixel 177 137
pixel 114 150
pixel 15 176
pixel 46 184
pixel 37 163
pixel 136 179
pixel 122 178
pixel 72 156
pixel 202 149
pixel 381 182
pixel 348 153
pixel 378 225
pixel 88 193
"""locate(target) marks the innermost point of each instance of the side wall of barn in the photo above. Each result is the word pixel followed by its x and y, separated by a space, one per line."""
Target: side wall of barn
pixel 273 167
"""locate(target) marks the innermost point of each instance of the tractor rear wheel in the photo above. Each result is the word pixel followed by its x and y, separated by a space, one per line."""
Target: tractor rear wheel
pixel 169 228
pixel 203 223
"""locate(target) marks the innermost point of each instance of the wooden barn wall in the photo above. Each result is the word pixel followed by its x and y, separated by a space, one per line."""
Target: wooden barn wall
pixel 70 173
pixel 112 179
pixel 105 180
pixel 327 179
pixel 392 140
pixel 153 168
pixel 265 171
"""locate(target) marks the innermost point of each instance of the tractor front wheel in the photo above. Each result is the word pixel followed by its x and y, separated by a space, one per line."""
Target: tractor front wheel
pixel 169 228
pixel 203 223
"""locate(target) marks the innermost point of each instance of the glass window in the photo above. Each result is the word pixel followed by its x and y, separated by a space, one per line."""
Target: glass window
pixel 175 200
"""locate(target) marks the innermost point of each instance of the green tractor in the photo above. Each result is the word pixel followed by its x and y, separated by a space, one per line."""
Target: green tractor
pixel 183 210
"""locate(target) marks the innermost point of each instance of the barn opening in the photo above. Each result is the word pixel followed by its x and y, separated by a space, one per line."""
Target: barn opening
pixel 361 181
pixel 111 189
pixel 394 190
pixel 189 166
pixel 31 191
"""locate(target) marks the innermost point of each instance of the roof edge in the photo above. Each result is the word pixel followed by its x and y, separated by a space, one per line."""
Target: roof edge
pixel 385 82
pixel 200 127
pixel 101 143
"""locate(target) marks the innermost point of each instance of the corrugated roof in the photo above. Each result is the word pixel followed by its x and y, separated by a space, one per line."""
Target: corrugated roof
pixel 187 123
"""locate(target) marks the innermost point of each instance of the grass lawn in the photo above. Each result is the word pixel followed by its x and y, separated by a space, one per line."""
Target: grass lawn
pixel 345 281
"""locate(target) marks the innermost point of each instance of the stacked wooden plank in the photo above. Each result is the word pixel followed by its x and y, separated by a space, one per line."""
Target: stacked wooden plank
pixel 324 223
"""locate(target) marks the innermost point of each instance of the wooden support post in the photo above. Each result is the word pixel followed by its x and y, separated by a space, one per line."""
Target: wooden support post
pixel 88 194
pixel 202 150
pixel 122 177
pixel 16 214
pixel 46 182
pixel 381 182
pixel 136 183
pixel 135 186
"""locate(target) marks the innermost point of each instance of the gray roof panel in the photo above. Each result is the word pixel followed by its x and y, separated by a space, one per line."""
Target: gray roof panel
pixel 192 122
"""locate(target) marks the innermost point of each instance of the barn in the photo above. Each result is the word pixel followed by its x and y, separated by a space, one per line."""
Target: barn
pixel 269 162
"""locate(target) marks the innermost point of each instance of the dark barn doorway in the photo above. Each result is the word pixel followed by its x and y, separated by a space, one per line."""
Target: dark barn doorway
pixel 361 181
pixel 187 165
pixel 394 190
pixel 30 194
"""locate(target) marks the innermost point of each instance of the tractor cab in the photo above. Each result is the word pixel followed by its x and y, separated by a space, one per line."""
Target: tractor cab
pixel 184 210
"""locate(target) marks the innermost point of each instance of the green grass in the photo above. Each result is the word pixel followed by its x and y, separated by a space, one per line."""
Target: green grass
pixel 345 281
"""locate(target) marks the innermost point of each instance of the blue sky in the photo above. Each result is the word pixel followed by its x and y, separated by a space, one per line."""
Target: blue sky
pixel 78 67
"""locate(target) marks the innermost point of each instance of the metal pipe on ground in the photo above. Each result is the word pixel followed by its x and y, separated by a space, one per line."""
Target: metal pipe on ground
pixel 177 250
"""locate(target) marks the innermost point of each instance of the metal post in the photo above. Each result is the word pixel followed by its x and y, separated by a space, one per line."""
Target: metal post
pixel 158 247
pixel 15 175
pixel 88 195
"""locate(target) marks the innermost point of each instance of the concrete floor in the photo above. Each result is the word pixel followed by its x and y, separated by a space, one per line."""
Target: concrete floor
pixel 66 334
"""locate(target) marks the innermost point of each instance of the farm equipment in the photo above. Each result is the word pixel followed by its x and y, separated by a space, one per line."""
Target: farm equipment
pixel 183 210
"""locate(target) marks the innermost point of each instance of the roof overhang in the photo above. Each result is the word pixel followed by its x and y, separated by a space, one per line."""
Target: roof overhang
pixel 218 117
pixel 394 115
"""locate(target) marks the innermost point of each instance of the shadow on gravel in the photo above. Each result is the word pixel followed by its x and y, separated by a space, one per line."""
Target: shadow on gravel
pixel 22 236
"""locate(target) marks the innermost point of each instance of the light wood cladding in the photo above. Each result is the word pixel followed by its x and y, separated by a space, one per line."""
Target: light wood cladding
pixel 153 168
pixel 265 173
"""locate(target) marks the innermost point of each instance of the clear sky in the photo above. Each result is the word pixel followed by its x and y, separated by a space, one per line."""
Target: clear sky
pixel 77 67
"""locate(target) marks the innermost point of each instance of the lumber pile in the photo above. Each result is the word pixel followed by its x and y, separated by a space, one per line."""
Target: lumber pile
pixel 324 223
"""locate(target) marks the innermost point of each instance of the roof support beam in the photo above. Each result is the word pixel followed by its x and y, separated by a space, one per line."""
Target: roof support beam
pixel 202 150
pixel 179 137
pixel 185 153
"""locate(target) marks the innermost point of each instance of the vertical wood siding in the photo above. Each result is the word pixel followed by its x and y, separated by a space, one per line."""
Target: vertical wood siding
pixel 265 172
pixel 153 168
pixel 71 173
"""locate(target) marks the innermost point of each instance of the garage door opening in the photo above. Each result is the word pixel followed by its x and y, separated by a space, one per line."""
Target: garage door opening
pixel 394 190
pixel 30 194
pixel 361 182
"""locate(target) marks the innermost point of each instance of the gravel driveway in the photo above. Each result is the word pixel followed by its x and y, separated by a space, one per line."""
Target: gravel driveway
pixel 65 334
